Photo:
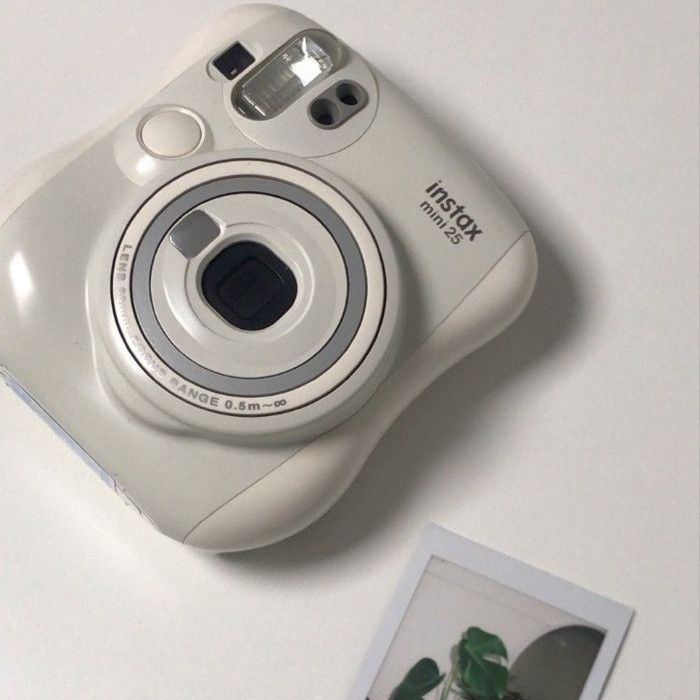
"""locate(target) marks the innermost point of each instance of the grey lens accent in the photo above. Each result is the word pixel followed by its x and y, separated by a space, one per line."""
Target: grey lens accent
pixel 194 233
pixel 247 386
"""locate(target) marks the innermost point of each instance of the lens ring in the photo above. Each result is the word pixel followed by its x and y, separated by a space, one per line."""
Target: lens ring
pixel 248 386
pixel 208 339
pixel 361 367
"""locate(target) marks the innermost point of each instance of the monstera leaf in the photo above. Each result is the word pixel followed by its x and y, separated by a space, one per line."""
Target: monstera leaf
pixel 482 664
pixel 420 680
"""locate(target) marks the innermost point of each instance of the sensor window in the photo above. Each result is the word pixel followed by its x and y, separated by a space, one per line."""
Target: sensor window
pixel 337 104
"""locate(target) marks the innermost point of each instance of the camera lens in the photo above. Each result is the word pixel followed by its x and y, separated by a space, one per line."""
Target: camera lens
pixel 249 286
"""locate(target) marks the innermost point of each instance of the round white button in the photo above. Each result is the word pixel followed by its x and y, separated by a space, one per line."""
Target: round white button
pixel 171 133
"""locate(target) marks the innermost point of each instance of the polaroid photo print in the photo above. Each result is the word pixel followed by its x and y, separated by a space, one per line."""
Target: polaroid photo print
pixel 469 623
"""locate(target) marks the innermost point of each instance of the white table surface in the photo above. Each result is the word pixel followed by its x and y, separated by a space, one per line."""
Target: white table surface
pixel 570 442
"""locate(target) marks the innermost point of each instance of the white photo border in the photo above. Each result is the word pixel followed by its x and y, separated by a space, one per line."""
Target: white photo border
pixel 601 612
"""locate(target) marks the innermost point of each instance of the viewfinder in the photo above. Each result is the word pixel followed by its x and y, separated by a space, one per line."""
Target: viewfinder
pixel 233 61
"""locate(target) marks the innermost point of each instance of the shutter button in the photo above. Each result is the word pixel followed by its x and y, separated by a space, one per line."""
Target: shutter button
pixel 171 133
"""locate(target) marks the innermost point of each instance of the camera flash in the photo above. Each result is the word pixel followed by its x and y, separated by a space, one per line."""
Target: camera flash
pixel 283 79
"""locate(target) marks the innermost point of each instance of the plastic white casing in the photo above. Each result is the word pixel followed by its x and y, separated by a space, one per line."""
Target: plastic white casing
pixel 222 482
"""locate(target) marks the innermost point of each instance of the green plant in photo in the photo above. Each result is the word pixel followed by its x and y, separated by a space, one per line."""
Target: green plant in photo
pixel 479 672
pixel 420 680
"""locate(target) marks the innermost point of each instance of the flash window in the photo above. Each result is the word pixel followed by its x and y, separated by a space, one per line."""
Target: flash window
pixel 287 75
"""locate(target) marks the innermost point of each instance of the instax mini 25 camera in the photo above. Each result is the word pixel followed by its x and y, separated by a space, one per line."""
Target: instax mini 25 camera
pixel 224 297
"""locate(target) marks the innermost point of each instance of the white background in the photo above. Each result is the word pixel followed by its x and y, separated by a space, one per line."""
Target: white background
pixel 570 442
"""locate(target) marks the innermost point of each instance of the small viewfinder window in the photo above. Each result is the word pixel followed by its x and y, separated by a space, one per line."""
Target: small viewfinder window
pixel 233 61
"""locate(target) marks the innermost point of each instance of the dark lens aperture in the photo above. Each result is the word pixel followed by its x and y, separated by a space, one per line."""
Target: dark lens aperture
pixel 249 286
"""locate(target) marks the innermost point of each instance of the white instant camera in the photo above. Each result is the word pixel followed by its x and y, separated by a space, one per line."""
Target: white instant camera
pixel 224 297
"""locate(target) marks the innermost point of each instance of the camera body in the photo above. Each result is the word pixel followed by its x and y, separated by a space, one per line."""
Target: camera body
pixel 225 296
